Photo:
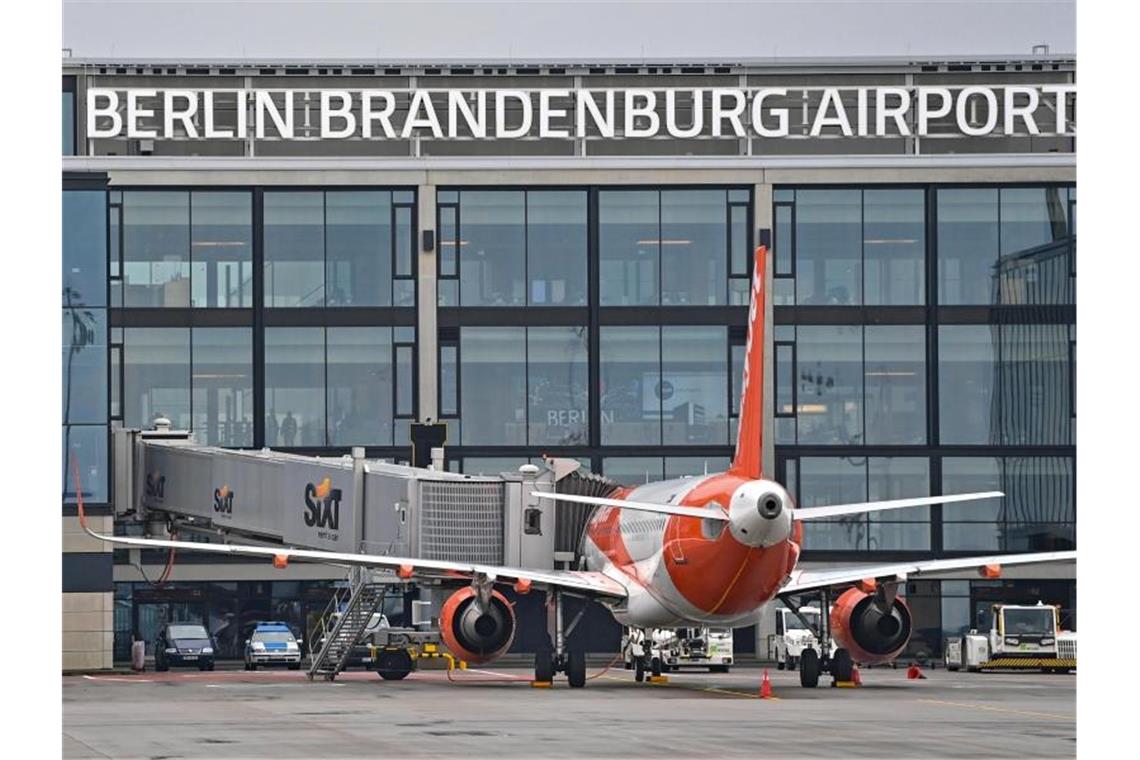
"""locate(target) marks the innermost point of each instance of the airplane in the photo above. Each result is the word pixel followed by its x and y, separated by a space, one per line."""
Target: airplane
pixel 698 551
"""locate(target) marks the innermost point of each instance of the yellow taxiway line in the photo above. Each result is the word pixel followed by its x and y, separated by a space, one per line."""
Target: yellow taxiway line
pixel 999 709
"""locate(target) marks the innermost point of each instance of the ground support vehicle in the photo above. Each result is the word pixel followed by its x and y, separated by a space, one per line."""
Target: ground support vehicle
pixel 1021 637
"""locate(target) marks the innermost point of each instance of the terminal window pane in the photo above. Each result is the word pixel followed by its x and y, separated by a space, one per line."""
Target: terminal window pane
pixel 1039 503
pixel 492 250
pixel 557 382
pixel 1034 378
pixel 633 471
pixel 156 249
pixel 630 374
pixel 975 526
pixel 967 396
pixel 895 384
pixel 833 480
pixel 156 376
pixel 967 246
pixel 68 112
pixel 1035 266
pixel 359 386
pixel 221 249
pixel 680 467
pixel 87 446
pixel 84 248
pixel 493 375
pixel 358 240
pixel 405 359
pixel 693 247
pixel 829 247
pixel 894 246
pixel 295 386
pixel 629 247
pixel 898 478
pixel 294 249
pixel 830 377
pixel 693 389
pixel 222 385
pixel 84 366
pixel 448 380
pixel 556 247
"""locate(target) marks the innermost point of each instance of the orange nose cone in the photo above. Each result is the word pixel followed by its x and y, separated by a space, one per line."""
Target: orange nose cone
pixel 406 572
pixel 323 489
pixel 990 571
pixel 281 561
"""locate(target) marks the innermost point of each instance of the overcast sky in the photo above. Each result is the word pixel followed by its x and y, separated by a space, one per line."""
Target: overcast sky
pixel 555 29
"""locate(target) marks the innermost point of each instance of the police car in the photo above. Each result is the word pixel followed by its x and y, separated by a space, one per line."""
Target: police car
pixel 272 643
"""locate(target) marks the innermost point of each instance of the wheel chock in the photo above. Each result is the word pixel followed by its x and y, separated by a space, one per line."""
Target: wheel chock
pixel 658 679
pixel 844 684
pixel 542 684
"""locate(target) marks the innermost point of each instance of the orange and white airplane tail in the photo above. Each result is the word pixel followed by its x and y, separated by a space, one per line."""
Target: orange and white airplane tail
pixel 750 438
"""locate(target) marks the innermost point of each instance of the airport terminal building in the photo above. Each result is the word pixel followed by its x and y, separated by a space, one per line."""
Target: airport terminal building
pixel 554 258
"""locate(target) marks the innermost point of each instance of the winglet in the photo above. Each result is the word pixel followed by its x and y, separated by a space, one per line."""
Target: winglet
pixel 750 438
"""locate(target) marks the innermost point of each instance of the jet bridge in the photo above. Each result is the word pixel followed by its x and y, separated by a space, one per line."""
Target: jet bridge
pixel 345 504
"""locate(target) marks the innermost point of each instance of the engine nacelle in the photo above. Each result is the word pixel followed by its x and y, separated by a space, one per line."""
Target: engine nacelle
pixel 474 635
pixel 860 627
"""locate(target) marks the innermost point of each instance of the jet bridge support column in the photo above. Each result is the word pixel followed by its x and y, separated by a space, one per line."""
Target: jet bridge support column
pixel 358 498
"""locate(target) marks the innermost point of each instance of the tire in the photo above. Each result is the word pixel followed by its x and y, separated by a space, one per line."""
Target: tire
pixel 841 665
pixel 792 663
pixel 253 666
pixel 576 668
pixel 204 666
pixel 718 668
pixel 393 665
pixel 543 666
pixel 160 665
pixel 655 666
pixel 639 669
pixel 294 666
pixel 809 669
pixel 780 665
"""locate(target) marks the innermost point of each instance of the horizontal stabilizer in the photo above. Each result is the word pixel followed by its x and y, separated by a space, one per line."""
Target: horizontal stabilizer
pixel 703 513
pixel 838 510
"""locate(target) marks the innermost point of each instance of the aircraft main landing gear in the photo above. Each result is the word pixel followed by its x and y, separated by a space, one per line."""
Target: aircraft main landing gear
pixel 572 662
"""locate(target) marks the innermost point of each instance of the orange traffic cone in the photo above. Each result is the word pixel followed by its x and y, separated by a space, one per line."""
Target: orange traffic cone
pixel 914 672
pixel 855 677
pixel 765 686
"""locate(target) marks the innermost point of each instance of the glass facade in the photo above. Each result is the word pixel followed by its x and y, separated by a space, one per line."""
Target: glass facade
pixel 84 333
pixel 969 391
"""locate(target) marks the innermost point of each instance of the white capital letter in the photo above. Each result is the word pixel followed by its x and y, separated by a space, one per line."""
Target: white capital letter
pixel 926 113
pixel 781 114
pixel 134 113
pixel 384 115
pixel 991 111
pixel 171 113
pixel 648 110
pixel 831 97
pixel 523 99
pixel 476 119
pixel 1012 111
pixel 604 122
pixel 1061 94
pixel 719 113
pixel 110 111
pixel 882 110
pixel 341 111
pixel 263 103
pixel 421 100
pixel 671 114
pixel 546 113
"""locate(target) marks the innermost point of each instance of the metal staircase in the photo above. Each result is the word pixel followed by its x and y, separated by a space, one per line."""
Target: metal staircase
pixel 341 632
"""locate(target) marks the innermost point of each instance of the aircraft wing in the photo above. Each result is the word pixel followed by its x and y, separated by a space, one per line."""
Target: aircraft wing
pixel 810 578
pixel 590 584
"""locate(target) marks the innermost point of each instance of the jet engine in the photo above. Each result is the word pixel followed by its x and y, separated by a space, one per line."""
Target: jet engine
pixel 477 632
pixel 874 627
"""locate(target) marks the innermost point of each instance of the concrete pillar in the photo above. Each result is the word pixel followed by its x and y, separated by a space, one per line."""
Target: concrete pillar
pixel 88 599
pixel 427 331
pixel 762 217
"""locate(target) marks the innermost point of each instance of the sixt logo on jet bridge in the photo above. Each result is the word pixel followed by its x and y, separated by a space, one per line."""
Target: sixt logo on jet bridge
pixel 322 508
pixel 224 501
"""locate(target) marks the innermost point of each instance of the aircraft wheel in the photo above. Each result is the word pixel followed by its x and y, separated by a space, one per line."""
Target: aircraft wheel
pixel 780 665
pixel 841 665
pixel 655 666
pixel 543 666
pixel 809 669
pixel 394 666
pixel 576 669
pixel 639 669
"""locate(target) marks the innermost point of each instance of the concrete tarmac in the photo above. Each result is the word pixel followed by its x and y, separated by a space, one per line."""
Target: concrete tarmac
pixel 497 713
